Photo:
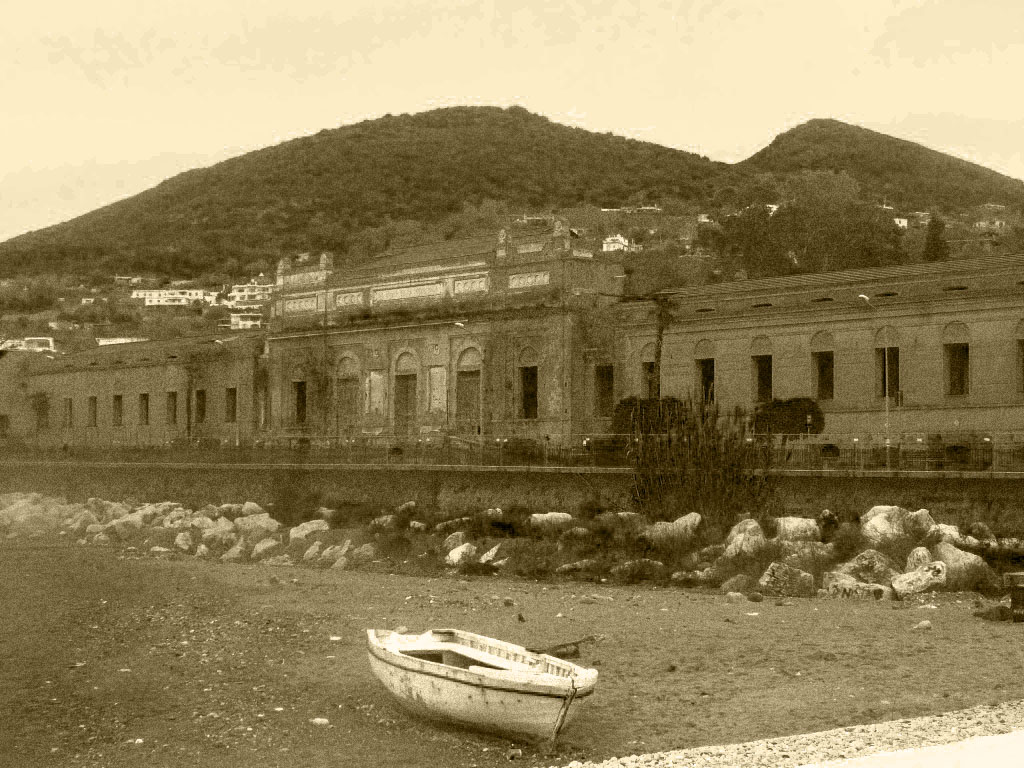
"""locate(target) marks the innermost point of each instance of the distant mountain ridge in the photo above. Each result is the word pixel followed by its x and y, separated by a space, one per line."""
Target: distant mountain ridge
pixel 322 190
pixel 897 170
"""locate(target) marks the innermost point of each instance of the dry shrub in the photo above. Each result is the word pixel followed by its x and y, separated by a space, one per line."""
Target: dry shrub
pixel 753 565
pixel 534 559
pixel 393 545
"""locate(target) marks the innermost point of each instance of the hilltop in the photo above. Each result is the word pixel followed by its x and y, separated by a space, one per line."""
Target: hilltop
pixel 361 188
pixel 898 171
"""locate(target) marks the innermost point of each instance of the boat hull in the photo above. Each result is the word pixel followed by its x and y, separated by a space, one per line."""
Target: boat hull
pixel 490 706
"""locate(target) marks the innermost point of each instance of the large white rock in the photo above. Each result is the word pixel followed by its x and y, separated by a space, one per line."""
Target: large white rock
pixel 679 533
pixel 495 553
pixel 549 521
pixel 870 567
pixel 844 585
pixel 927 577
pixel 454 540
pixel 797 529
pixel 330 554
pixel 200 522
pixel 964 570
pixel 251 508
pixel 220 534
pixel 447 526
pixel 202 551
pixel 256 526
pixel 300 532
pixel 183 541
pixel 745 539
pixel 810 556
pixel 918 556
pixel 382 522
pixel 264 548
pixel 313 553
pixel 781 580
pixel 236 554
pixel 883 525
pixel 461 554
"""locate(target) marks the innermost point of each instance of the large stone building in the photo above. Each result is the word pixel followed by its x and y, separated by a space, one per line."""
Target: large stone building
pixel 522 335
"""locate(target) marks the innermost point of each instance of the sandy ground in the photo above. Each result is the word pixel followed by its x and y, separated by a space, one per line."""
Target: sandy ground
pixel 124 662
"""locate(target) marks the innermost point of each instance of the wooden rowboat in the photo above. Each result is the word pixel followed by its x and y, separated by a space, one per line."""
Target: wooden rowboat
pixel 477 682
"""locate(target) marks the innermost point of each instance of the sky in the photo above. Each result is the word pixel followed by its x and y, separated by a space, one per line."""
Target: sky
pixel 102 99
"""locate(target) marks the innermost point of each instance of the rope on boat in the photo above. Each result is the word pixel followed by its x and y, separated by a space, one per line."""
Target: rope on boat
pixel 565 708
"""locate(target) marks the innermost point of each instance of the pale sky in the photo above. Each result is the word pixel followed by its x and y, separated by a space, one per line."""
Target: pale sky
pixel 100 99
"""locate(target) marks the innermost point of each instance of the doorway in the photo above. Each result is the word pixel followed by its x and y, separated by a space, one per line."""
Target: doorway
pixel 405 403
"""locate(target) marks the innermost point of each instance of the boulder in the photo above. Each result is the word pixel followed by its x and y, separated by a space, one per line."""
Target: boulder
pixel 735 597
pixel 781 580
pixel 550 521
pixel 882 525
pixel 495 553
pixel 807 555
pixel 101 539
pixel 300 532
pixel 250 508
pixel 313 553
pixel 741 582
pixel 95 528
pixel 200 522
pixel 797 529
pixel 264 547
pixel 409 506
pixel 980 531
pixel 746 538
pixel 918 556
pixel 125 527
pixel 454 540
pixel 921 579
pixel 447 526
pixel 220 534
pixel 573 536
pixel 183 541
pixel 837 584
pixel 236 554
pixel 364 553
pixel 964 570
pixel 230 511
pixel 382 522
pixel 158 551
pixel 202 551
pixel 461 554
pixel 81 522
pixel 418 526
pixel 577 567
pixel 340 564
pixel 173 517
pixel 331 554
pixel 256 526
pixel 870 567
pixel 677 534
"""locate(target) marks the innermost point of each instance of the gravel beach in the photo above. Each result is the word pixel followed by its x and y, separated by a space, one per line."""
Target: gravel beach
pixel 815 748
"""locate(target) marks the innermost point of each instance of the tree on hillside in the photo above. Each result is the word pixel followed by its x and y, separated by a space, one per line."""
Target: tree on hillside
pixel 935 246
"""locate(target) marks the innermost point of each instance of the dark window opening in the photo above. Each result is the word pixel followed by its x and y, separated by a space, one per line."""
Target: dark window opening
pixel 92 408
pixel 706 375
pixel 172 407
pixel 824 369
pixel 762 378
pixel 958 369
pixel 117 419
pixel 200 406
pixel 887 371
pixel 651 381
pixel 68 419
pixel 604 390
pixel 299 398
pixel 528 391
pixel 144 408
pixel 230 405
pixel 5 425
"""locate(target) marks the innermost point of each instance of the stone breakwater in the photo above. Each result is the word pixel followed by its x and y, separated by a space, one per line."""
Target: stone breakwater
pixel 814 748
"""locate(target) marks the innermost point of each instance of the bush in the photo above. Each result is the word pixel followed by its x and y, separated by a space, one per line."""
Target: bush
pixel 394 545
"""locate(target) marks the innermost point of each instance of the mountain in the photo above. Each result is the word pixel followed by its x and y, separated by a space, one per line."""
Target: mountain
pixel 357 188
pixel 319 190
pixel 899 171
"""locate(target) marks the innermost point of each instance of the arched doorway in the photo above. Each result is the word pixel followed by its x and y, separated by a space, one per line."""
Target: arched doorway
pixel 405 393
pixel 467 391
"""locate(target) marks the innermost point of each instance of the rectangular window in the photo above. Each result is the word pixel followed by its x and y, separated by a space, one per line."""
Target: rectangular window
pixel 651 382
pixel 887 371
pixel 117 411
pixel 762 369
pixel 144 408
pixel 92 409
pixel 375 393
pixel 172 407
pixel 706 379
pixel 347 390
pixel 437 378
pixel 299 401
pixel 528 392
pixel 604 391
pixel 5 425
pixel 230 405
pixel 200 406
pixel 68 421
pixel 824 375
pixel 958 369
